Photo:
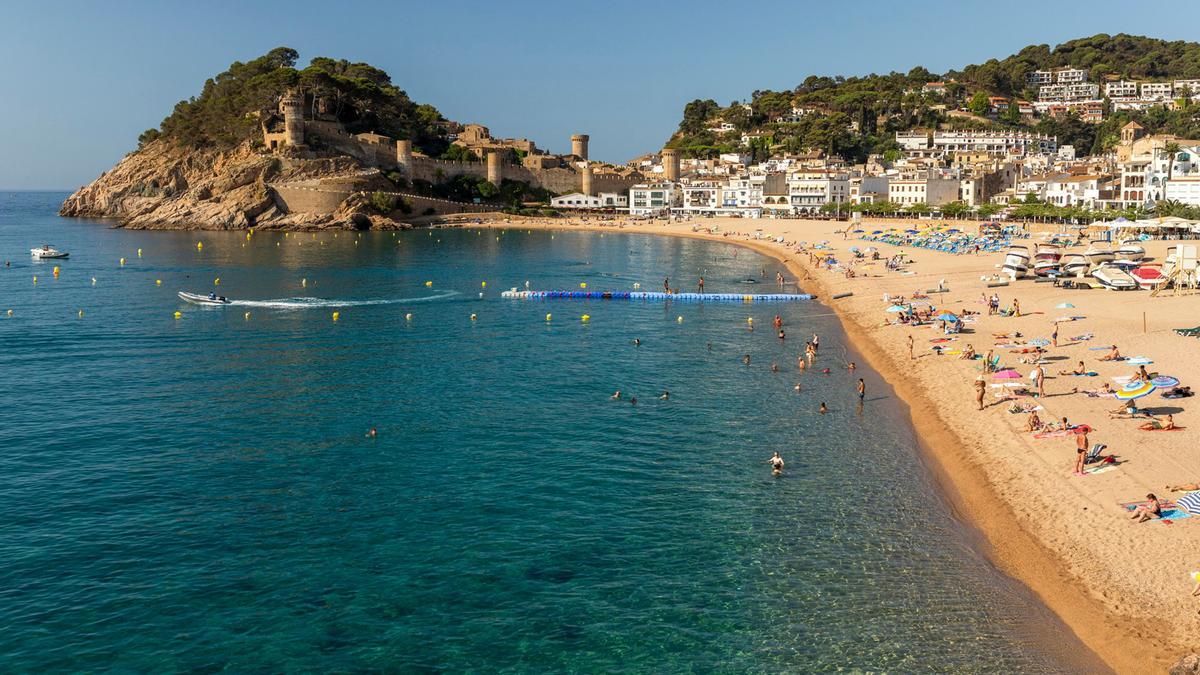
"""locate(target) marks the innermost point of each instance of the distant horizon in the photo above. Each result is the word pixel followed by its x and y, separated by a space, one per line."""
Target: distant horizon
pixel 598 71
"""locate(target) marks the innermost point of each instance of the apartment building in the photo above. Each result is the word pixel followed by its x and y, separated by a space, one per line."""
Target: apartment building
pixel 996 142
pixel 647 199
pixel 578 200
pixel 1121 89
pixel 809 190
pixel 920 190
pixel 1156 91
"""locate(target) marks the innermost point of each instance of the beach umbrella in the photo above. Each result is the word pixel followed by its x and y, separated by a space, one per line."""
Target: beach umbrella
pixel 897 308
pixel 1163 381
pixel 1190 502
pixel 946 316
pixel 1007 374
pixel 1039 342
pixel 857 231
pixel 1134 389
pixel 1064 305
pixel 877 232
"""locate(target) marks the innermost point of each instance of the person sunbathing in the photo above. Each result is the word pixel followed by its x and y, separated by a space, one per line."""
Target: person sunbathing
pixel 1150 511
pixel 1128 409
pixel 1114 355
pixel 968 353
pixel 1080 370
pixel 1034 423
pixel 1156 425
pixel 1140 374
pixel 1186 487
pixel 1104 390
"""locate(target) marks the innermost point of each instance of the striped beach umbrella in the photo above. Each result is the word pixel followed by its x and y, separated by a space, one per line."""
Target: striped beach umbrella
pixel 1163 381
pixel 1134 389
pixel 1191 502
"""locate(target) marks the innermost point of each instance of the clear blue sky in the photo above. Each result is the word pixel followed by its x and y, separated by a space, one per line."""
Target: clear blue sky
pixel 80 80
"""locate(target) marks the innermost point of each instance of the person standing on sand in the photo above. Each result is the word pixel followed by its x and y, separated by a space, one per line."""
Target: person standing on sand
pixel 1054 335
pixel 910 348
pixel 980 389
pixel 1039 378
pixel 1016 308
pixel 1081 448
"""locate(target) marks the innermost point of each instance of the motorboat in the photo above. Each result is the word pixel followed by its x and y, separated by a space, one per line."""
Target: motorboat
pixel 210 299
pixel 1074 264
pixel 1017 255
pixel 1115 278
pixel 1047 252
pixel 1045 268
pixel 1148 277
pixel 1130 249
pixel 1099 252
pixel 1016 270
pixel 47 252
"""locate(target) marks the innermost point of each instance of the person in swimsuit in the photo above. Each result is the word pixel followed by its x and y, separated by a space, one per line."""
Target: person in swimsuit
pixel 616 396
pixel 980 389
pixel 822 409
pixel 1149 511
pixel 1114 355
pixel 778 322
pixel 862 390
pixel 776 463
pixel 665 395
pixel 1081 448
pixel 1155 425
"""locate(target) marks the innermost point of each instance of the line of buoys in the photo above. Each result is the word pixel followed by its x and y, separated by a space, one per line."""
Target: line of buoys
pixel 842 295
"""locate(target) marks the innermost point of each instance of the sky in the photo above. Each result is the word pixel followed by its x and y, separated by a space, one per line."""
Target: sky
pixel 80 80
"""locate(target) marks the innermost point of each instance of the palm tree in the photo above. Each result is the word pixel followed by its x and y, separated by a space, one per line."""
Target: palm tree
pixel 1171 148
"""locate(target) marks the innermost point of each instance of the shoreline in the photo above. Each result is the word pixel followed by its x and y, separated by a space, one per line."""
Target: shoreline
pixel 1117 640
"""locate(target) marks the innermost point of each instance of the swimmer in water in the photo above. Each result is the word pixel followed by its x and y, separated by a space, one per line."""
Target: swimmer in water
pixel 710 346
pixel 636 342
pixel 778 322
pixel 797 387
pixel 372 433
pixel 862 389
pixel 746 359
pixel 616 396
pixel 824 371
pixel 781 335
pixel 665 395
pixel 776 463
pixel 822 409
pixel 774 367
pixel 633 401
pixel 803 364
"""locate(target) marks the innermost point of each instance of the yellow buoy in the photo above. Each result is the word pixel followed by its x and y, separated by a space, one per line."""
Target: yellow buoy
pixel 35 279
pixel 81 313
pixel 549 316
pixel 10 312
pixel 336 315
pixel 199 245
pixel 472 317
pixel 122 261
pixel 749 319
pixel 585 317
pixel 583 284
pixel 247 316
pixel 139 252
pixel 429 283
pixel 178 314
pixel 217 281
pixel 158 282
pixel 408 317
pixel 482 284
pixel 679 319
pixel 56 270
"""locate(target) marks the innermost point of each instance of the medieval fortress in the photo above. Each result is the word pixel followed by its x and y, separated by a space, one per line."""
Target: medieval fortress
pixel 297 137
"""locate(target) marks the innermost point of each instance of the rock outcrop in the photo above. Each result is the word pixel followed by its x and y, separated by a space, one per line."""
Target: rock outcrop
pixel 1188 665
pixel 166 186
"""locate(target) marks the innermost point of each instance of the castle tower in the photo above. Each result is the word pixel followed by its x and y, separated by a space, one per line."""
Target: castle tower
pixel 585 180
pixel 404 156
pixel 670 163
pixel 579 143
pixel 495 172
pixel 293 118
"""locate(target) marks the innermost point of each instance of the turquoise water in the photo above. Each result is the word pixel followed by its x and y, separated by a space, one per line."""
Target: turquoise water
pixel 198 494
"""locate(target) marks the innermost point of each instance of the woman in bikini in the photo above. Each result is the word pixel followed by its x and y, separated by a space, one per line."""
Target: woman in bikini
pixel 1150 511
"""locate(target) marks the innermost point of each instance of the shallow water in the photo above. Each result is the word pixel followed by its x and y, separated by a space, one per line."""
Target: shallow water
pixel 198 494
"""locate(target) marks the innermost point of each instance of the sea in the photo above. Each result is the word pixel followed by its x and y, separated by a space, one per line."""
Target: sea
pixel 194 489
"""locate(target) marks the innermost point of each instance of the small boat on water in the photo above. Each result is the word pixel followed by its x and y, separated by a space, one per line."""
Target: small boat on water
pixel 1114 278
pixel 197 299
pixel 1099 252
pixel 1074 264
pixel 47 252
pixel 1130 249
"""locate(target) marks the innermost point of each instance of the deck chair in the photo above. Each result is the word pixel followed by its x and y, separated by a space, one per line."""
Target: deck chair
pixel 1093 455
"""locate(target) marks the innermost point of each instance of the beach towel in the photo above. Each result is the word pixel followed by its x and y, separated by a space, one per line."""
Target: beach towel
pixel 1063 433
pixel 1082 338
pixel 1191 502
pixel 1170 510
pixel 1090 373
pixel 1099 349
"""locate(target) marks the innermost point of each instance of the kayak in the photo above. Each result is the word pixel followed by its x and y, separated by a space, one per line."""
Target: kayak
pixel 197 299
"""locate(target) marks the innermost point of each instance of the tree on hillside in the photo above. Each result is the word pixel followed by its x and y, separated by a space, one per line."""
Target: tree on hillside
pixel 696 113
pixel 979 103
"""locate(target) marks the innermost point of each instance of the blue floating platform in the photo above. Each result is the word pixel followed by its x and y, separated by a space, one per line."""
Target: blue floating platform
pixel 647 296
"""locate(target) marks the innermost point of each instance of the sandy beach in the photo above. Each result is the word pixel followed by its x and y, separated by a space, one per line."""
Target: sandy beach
pixel 1123 587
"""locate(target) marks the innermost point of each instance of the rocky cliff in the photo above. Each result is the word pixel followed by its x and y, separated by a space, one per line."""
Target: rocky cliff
pixel 167 186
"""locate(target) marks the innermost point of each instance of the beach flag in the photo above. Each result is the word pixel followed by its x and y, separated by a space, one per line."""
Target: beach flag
pixel 1191 503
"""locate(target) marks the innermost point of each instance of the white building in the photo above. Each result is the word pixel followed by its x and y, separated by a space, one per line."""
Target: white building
pixel 578 200
pixel 1122 89
pixel 811 189
pixel 648 199
pixel 1187 87
pixel 1057 76
pixel 912 140
pixel 1156 91
pixel 931 191
pixel 1082 191
pixel 869 189
pixel 996 142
